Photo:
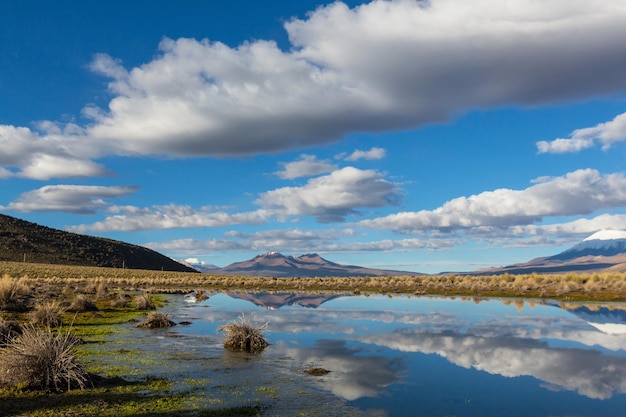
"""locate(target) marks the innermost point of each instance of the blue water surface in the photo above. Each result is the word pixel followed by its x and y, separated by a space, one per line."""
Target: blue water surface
pixel 430 356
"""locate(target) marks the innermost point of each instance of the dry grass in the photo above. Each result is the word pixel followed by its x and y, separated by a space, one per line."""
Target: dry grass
pixel 102 290
pixel 157 320
pixel 9 329
pixel 601 286
pixel 14 293
pixel 144 302
pixel 43 360
pixel 48 313
pixel 121 301
pixel 243 336
pixel 83 303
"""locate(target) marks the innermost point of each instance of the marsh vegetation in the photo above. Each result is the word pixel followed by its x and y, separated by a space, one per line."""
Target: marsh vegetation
pixel 52 316
pixel 608 286
pixel 243 336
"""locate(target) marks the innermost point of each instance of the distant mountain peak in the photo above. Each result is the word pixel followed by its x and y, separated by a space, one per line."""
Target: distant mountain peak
pixel 275 264
pixel 198 265
pixel 607 234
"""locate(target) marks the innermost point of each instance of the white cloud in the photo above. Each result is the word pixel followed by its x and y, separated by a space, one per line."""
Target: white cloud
pixel 578 228
pixel 329 198
pixel 169 217
pixel 379 66
pixel 80 199
pixel 57 153
pixel 332 197
pixel 606 134
pixel 194 246
pixel 305 166
pixel 372 154
pixel 579 192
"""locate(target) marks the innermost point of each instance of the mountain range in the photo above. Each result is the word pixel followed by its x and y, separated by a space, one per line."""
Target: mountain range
pixel 603 251
pixel 22 241
pixel 275 264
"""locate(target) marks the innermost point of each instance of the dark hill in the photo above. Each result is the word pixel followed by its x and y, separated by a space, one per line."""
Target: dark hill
pixel 21 240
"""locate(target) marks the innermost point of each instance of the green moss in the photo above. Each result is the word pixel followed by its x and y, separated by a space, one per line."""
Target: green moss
pixel 150 397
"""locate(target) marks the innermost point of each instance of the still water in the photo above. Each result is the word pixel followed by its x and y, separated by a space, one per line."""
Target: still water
pixel 406 355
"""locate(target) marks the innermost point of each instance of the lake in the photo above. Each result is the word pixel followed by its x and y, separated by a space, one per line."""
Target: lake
pixel 395 355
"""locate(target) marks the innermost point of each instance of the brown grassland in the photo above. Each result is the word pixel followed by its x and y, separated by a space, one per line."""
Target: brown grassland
pixel 607 286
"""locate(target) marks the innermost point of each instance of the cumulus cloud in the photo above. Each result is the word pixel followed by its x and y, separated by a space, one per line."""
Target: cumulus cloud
pixel 296 240
pixel 576 193
pixel 332 197
pixel 305 166
pixel 363 69
pixel 79 199
pixel 606 134
pixel 25 153
pixel 131 218
pixel 328 198
pixel 194 246
pixel 372 154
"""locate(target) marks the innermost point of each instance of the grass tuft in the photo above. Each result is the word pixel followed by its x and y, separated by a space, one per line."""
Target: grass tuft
pixel 9 329
pixel 157 320
pixel 82 303
pixel 14 293
pixel 43 360
pixel 121 301
pixel 242 336
pixel 144 302
pixel 47 314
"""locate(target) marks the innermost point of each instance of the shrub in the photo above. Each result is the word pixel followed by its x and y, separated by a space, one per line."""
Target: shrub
pixel 144 302
pixel 41 359
pixel 82 303
pixel 102 291
pixel 242 336
pixel 14 293
pixel 120 302
pixel 8 330
pixel 157 320
pixel 47 314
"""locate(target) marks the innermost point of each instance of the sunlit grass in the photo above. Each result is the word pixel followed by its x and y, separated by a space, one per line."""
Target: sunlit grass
pixel 606 286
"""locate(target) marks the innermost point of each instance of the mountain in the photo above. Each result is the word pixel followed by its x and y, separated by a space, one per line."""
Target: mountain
pixel 603 243
pixel 199 265
pixel 25 241
pixel 274 264
pixel 274 301
pixel 602 251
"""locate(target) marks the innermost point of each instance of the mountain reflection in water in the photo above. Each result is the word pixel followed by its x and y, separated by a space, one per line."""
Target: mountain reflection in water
pixel 434 356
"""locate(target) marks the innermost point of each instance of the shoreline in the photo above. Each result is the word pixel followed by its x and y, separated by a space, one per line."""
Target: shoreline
pixel 592 287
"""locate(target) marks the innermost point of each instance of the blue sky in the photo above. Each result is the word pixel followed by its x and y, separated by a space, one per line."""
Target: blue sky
pixel 423 136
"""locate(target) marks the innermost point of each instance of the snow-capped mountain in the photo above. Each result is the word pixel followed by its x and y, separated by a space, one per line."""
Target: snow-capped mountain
pixel 602 243
pixel 199 265
pixel 600 251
